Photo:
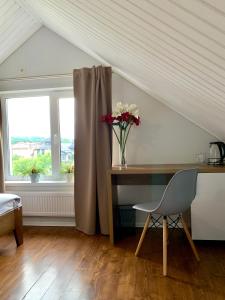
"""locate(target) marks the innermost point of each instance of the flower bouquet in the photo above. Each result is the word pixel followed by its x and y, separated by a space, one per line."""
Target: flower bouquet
pixel 122 119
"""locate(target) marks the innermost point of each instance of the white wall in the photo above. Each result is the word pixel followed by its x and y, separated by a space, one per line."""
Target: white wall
pixel 164 136
pixel 45 53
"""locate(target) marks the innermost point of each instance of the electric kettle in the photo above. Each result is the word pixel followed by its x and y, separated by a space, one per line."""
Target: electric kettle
pixel 216 153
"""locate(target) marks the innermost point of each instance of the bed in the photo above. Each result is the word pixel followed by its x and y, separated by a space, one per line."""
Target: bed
pixel 11 216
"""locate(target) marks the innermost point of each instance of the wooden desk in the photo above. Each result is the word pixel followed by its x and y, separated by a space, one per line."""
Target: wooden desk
pixel 145 175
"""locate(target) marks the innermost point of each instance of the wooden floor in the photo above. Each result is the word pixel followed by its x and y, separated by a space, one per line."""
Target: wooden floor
pixel 61 263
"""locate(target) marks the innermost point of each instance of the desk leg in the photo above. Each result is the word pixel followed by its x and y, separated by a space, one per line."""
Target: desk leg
pixel 110 207
pixel 112 201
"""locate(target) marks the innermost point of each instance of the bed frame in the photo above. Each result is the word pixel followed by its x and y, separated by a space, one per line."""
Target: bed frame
pixel 12 222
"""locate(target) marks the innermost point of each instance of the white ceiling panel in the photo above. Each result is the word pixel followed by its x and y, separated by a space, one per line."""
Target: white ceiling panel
pixel 16 26
pixel 172 49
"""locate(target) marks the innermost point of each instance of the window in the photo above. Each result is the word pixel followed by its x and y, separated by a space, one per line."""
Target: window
pixel 38 131
pixel 66 121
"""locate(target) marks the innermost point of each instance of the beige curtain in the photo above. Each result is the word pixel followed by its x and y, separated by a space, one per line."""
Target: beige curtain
pixel 93 147
pixel 2 182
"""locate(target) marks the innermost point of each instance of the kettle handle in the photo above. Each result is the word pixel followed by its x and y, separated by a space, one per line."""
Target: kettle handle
pixel 222 150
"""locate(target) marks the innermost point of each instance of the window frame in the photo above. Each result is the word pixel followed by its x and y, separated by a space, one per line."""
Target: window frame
pixel 54 96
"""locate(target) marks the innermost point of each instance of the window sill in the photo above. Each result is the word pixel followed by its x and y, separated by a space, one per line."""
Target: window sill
pixel 40 186
pixel 43 183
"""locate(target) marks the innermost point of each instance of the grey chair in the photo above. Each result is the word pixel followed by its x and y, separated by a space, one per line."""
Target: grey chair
pixel 176 199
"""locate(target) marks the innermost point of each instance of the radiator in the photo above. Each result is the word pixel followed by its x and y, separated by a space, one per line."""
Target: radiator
pixel 57 204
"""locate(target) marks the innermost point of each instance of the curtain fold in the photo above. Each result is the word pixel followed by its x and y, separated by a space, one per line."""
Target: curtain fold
pixel 93 147
pixel 2 180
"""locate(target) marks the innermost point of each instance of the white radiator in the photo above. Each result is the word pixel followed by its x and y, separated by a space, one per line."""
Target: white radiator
pixel 56 204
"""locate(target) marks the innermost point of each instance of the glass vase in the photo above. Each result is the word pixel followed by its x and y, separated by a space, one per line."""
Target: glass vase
pixel 122 156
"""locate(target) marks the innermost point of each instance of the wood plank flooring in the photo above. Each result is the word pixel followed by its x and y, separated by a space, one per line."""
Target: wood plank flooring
pixel 62 263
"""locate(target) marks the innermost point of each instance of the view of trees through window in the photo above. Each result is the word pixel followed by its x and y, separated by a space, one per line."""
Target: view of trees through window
pixel 31 148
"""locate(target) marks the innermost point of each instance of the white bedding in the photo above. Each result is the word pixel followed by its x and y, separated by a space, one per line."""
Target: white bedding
pixel 9 202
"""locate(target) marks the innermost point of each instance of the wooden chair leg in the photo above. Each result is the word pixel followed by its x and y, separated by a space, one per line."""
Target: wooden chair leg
pixel 143 234
pixel 167 234
pixel 18 231
pixel 165 237
pixel 190 239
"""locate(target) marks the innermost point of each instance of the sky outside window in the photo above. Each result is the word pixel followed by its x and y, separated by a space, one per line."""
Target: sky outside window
pixel 29 116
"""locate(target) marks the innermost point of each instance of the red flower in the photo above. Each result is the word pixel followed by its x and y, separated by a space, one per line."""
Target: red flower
pixel 126 116
pixel 136 121
pixel 108 118
pixel 119 118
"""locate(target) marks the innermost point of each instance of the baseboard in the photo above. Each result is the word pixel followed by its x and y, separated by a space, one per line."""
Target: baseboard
pixel 49 221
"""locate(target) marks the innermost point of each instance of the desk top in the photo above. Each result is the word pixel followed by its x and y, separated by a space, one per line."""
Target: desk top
pixel 164 169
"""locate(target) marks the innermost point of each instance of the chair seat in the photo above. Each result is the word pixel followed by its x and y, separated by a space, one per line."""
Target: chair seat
pixel 147 207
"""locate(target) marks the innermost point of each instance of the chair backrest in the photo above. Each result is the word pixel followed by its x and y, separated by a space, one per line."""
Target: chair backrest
pixel 179 193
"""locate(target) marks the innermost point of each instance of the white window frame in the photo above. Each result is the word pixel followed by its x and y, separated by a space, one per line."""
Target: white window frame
pixel 54 96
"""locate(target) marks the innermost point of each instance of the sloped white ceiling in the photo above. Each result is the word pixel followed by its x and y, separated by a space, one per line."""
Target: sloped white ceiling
pixel 16 26
pixel 173 49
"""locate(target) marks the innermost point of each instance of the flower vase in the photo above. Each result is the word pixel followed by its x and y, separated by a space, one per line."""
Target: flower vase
pixel 34 177
pixel 122 156
pixel 69 177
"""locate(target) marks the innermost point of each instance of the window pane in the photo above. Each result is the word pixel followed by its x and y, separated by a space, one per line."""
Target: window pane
pixel 66 119
pixel 29 134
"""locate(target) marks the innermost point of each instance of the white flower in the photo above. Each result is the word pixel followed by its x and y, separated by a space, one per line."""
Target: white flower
pixel 118 109
pixel 122 108
pixel 119 106
pixel 132 107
